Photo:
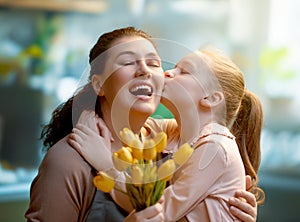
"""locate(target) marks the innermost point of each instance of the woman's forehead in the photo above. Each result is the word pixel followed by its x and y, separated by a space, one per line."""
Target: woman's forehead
pixel 132 45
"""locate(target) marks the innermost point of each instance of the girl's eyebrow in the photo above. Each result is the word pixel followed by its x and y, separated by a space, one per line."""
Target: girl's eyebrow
pixel 185 64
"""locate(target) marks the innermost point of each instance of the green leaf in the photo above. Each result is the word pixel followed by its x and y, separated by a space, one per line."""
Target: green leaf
pixel 159 188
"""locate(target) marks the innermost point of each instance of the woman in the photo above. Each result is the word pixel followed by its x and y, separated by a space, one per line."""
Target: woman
pixel 63 189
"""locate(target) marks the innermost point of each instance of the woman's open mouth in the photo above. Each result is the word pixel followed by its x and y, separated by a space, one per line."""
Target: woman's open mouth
pixel 141 90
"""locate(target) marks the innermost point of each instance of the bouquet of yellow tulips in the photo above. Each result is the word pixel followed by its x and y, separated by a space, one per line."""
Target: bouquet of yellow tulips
pixel 145 176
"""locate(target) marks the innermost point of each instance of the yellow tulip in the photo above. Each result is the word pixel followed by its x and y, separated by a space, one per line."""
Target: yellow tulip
pixel 149 151
pixel 104 182
pixel 166 170
pixel 160 141
pixel 137 149
pixel 152 174
pixel 135 161
pixel 129 149
pixel 127 136
pixel 183 154
pixel 122 159
pixel 136 175
pixel 125 154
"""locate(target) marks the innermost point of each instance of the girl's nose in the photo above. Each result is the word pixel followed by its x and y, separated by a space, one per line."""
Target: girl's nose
pixel 169 73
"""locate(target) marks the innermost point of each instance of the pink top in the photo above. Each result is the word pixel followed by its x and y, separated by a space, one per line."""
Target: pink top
pixel 202 186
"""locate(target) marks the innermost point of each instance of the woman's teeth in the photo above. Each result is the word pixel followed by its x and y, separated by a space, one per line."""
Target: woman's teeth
pixel 141 90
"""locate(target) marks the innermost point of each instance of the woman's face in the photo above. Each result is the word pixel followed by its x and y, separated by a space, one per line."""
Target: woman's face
pixel 184 84
pixel 133 75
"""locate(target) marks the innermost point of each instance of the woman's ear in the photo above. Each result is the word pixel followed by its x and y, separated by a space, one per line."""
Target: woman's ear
pixel 212 100
pixel 96 82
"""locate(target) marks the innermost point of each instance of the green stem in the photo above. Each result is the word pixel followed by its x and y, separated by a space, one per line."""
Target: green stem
pixel 122 191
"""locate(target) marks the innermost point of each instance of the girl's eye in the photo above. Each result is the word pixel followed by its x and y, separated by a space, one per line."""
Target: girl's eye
pixel 183 71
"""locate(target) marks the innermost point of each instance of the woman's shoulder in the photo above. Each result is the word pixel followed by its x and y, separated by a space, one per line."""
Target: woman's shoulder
pixel 61 156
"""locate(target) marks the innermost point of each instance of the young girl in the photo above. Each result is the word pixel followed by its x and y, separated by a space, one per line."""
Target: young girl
pixel 222 121
pixel 202 120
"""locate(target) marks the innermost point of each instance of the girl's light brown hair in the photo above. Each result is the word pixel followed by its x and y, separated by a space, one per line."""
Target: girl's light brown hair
pixel 244 115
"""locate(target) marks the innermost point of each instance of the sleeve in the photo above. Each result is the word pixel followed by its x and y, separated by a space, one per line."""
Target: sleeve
pixel 170 127
pixel 195 181
pixel 57 192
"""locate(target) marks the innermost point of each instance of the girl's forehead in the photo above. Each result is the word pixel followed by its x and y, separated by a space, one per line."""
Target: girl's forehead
pixel 191 58
pixel 190 63
pixel 197 62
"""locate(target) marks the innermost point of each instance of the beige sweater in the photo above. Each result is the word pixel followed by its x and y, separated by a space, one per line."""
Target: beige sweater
pixel 63 189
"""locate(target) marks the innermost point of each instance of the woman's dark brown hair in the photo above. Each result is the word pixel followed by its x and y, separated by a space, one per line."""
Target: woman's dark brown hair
pixel 66 114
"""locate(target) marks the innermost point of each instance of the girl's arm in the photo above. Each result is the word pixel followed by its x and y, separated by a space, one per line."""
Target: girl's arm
pixel 92 140
pixel 243 204
pixel 196 180
pixel 85 142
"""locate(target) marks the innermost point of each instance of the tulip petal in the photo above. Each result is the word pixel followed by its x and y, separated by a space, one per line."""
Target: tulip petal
pixel 104 182
pixel 183 154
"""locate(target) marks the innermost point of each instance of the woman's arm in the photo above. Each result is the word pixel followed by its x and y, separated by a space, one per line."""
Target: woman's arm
pixel 150 214
pixel 63 188
pixel 243 204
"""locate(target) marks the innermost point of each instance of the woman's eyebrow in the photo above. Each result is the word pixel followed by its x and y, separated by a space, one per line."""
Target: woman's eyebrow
pixel 150 55
pixel 125 53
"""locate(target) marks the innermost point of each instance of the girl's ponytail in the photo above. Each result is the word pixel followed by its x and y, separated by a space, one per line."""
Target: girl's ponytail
pixel 247 130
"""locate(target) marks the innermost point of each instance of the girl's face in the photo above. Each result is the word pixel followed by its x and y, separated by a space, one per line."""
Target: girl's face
pixel 183 87
pixel 133 76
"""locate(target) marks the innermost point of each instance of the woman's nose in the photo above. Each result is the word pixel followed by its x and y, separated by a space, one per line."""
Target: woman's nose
pixel 142 69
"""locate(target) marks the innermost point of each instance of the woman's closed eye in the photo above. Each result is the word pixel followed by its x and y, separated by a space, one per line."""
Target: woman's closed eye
pixel 153 62
pixel 128 63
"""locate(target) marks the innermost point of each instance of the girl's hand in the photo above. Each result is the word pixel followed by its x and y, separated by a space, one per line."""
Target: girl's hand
pixel 150 214
pixel 243 205
pixel 92 140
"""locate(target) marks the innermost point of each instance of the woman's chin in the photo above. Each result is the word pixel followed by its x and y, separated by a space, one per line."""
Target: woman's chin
pixel 144 109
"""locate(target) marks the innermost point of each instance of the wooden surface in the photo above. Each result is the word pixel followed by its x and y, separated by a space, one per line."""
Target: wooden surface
pixel 87 6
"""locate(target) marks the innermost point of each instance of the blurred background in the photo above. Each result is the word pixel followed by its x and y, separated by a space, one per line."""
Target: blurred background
pixel 44 47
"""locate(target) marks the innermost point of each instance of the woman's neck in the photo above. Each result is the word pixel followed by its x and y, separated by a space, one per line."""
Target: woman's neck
pixel 116 121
